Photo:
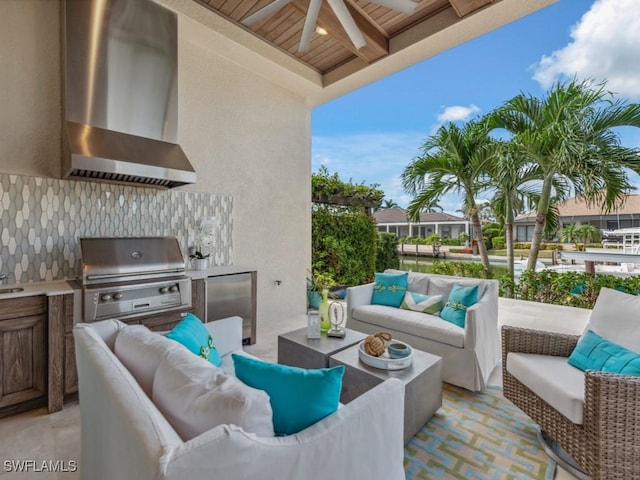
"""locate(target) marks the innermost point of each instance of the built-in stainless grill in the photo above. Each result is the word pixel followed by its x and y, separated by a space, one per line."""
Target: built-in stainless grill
pixel 127 277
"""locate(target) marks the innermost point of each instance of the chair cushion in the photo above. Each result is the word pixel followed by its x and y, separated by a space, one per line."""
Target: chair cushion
pixel 455 309
pixel 389 289
pixel 416 282
pixel 141 350
pixel 552 379
pixel 196 396
pixel 616 317
pixel 413 323
pixel 299 397
pixel 192 333
pixel 596 353
pixel 416 302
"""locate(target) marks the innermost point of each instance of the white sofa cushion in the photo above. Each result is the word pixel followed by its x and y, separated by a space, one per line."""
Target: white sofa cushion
pixel 140 350
pixel 442 285
pixel 616 317
pixel 416 282
pixel 196 396
pixel 552 379
pixel 414 323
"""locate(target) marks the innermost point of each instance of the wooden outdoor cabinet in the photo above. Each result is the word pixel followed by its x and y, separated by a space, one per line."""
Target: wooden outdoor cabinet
pixel 23 349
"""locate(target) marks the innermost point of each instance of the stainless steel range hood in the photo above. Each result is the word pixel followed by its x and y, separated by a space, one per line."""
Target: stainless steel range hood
pixel 121 94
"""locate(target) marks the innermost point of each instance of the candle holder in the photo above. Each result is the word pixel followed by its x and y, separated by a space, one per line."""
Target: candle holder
pixel 313 324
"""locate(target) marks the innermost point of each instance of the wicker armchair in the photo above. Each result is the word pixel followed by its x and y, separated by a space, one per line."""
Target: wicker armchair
pixel 607 444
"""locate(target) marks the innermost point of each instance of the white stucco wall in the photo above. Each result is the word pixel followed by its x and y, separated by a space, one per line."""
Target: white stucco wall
pixel 244 135
pixel 251 139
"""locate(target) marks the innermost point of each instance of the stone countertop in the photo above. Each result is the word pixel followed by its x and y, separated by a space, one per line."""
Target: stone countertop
pixel 53 287
pixel 219 271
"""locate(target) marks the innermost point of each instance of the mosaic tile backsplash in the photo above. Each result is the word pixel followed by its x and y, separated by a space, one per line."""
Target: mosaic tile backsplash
pixel 42 219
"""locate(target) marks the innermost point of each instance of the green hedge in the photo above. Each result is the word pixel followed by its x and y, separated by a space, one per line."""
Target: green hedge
pixel 387 256
pixel 344 243
pixel 573 289
pixel 459 269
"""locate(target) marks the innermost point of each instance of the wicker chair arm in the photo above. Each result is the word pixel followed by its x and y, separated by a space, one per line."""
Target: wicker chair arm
pixel 522 340
pixel 612 423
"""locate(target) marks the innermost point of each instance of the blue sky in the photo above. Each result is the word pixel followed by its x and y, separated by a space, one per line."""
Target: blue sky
pixel 372 134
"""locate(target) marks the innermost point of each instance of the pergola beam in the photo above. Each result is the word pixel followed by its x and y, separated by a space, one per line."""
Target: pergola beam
pixel 465 7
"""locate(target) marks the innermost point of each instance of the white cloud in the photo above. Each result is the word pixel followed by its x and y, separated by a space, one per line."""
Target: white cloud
pixel 605 45
pixel 374 158
pixel 456 113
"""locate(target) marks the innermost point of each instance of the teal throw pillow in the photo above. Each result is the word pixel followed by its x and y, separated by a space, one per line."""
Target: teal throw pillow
pixel 299 397
pixel 192 333
pixel 596 353
pixel 460 298
pixel 417 302
pixel 389 289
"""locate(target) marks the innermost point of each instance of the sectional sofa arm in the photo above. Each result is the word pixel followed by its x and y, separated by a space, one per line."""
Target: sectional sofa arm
pixel 363 439
pixel 226 333
pixel 523 340
pixel 481 321
pixel 358 296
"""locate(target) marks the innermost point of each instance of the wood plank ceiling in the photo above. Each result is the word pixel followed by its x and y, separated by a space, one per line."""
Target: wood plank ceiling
pixel 283 28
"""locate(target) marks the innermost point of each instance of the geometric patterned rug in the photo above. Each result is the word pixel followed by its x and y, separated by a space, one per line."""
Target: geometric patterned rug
pixel 477 436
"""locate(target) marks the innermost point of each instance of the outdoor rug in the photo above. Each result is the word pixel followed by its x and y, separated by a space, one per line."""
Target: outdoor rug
pixel 477 436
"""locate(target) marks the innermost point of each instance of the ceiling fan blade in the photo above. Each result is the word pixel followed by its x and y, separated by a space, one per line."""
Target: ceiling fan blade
pixel 345 18
pixel 309 24
pixel 265 12
pixel 404 6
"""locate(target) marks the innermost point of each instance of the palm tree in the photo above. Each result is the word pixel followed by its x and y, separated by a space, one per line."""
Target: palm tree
pixel 388 203
pixel 453 160
pixel 513 181
pixel 569 135
pixel 569 234
pixel 587 233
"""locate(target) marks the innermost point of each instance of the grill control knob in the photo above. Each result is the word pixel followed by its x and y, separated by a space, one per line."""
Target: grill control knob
pixel 106 297
pixel 117 296
pixel 173 288
pixel 164 289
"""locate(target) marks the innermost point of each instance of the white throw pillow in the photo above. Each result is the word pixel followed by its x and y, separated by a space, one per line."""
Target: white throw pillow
pixel 196 396
pixel 616 317
pixel 140 351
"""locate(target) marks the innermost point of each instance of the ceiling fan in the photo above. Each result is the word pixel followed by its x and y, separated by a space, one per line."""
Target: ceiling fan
pixel 339 8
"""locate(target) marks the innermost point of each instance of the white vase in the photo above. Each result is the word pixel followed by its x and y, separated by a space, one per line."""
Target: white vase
pixel 201 263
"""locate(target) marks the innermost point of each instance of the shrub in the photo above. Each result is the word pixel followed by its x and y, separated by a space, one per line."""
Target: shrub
pixel 344 244
pixel 460 250
pixel 387 255
pixel 498 242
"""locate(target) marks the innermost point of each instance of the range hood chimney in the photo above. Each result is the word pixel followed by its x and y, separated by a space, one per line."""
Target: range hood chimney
pixel 121 94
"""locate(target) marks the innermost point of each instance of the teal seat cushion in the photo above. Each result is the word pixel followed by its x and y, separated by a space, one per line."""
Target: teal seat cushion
pixel 417 302
pixel 192 333
pixel 460 298
pixel 389 289
pixel 299 397
pixel 596 353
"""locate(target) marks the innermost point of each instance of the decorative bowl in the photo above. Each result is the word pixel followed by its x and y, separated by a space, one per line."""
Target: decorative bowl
pixel 398 349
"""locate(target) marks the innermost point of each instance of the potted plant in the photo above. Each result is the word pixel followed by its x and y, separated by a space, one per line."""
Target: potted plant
pixel 316 283
pixel 200 259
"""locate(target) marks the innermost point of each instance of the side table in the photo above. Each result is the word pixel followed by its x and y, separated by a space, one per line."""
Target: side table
pixel 296 350
pixel 422 384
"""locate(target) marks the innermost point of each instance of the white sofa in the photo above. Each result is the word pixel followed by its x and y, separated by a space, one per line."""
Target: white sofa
pixel 124 435
pixel 469 354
